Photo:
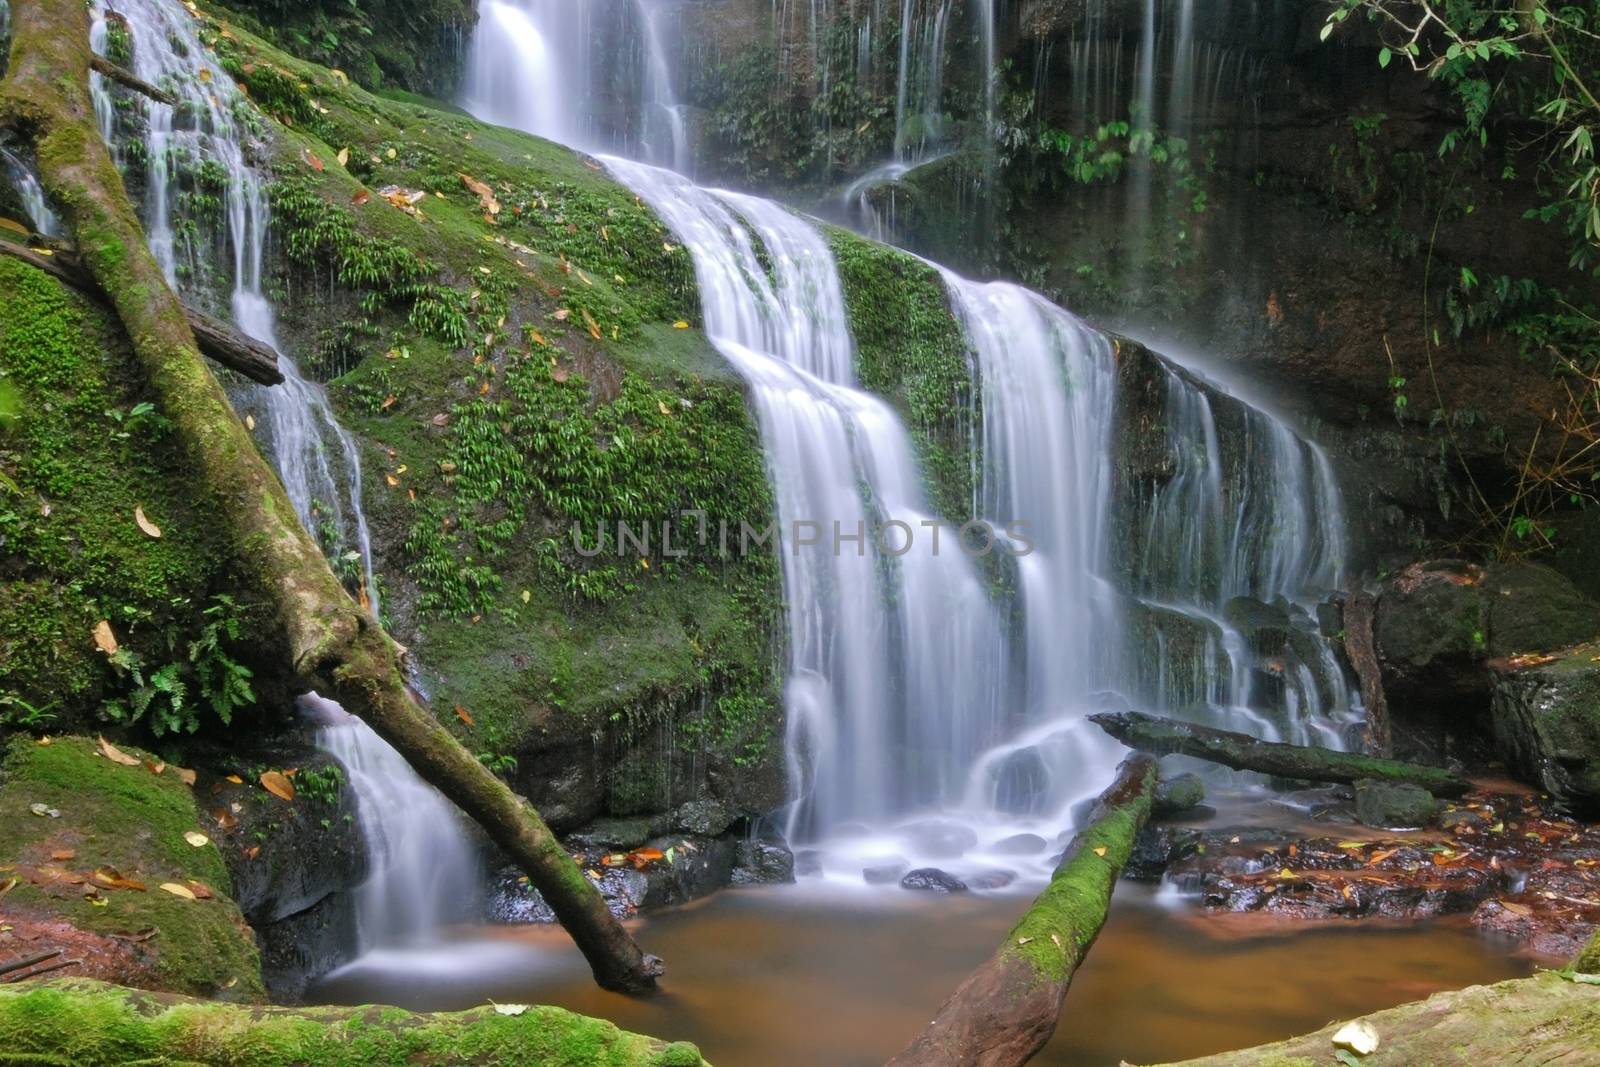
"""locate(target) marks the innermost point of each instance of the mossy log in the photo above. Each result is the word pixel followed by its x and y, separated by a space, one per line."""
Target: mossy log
pixel 82 1023
pixel 333 645
pixel 123 76
pixel 1161 737
pixel 216 338
pixel 1541 1020
pixel 1007 1009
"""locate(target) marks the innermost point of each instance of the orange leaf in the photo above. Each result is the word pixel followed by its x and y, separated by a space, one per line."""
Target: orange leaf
pixel 311 159
pixel 186 776
pixel 104 639
pixel 116 755
pixel 61 855
pixel 277 785
pixel 361 197
pixel 225 818
pixel 461 713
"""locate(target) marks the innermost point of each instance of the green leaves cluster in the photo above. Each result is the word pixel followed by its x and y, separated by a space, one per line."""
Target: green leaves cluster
pixel 201 675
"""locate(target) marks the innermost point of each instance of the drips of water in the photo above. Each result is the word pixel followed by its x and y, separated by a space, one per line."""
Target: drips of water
pixel 314 454
pixel 422 872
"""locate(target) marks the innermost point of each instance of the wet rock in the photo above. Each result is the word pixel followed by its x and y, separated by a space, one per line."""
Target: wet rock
pixel 1462 821
pixel 1020 781
pixel 992 879
pixel 1535 608
pixel 698 868
pixel 933 880
pixel 618 834
pixel 762 863
pixel 704 818
pixel 1019 845
pixel 883 873
pixel 1265 626
pixel 1546 719
pixel 1393 805
pixel 1157 848
pixel 941 840
pixel 1178 795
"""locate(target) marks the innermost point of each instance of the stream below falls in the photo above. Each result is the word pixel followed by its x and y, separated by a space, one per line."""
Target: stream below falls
pixel 807 975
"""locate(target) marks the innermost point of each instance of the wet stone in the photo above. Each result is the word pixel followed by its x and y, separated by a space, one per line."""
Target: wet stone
pixel 1019 845
pixel 762 863
pixel 995 879
pixel 933 880
pixel 1393 805
pixel 1178 795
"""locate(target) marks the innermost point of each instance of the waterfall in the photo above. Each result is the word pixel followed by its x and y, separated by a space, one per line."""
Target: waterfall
pixel 919 97
pixel 189 152
pixel 422 869
pixel 34 202
pixel 666 137
pixel 422 872
pixel 935 707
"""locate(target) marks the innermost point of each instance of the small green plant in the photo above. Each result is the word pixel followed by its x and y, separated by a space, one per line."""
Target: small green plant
pixel 164 698
pixel 19 714
pixel 320 786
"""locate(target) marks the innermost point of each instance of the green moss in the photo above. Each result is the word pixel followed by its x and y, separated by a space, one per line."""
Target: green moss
pixel 92 1024
pixel 1064 920
pixel 911 350
pixel 86 448
pixel 134 821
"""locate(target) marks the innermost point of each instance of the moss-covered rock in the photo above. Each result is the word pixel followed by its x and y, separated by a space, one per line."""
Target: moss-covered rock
pixel 90 1024
pixel 89 842
pixel 1527 1021
pixel 513 340
pixel 1546 720
pixel 83 450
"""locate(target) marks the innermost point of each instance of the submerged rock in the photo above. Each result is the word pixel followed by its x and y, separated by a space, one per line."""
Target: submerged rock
pixel 762 863
pixel 1019 845
pixel 995 879
pixel 1157 848
pixel 1393 805
pixel 933 880
pixel 941 840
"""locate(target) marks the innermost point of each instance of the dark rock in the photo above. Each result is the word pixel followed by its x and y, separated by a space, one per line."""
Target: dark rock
pixel 1159 847
pixel 623 834
pixel 1533 608
pixel 933 880
pixel 1546 721
pixel 1462 820
pixel 1265 626
pixel 699 867
pixel 942 840
pixel 995 879
pixel 1020 781
pixel 883 874
pixel 1019 845
pixel 1178 795
pixel 1393 805
pixel 762 863
pixel 704 818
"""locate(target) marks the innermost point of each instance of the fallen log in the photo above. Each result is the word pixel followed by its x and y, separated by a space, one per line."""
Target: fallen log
pixel 217 339
pixel 333 645
pixel 1007 1009
pixel 76 1022
pixel 1161 737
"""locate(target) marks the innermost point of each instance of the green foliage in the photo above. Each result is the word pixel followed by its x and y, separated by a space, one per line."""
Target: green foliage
pixel 321 786
pixel 164 698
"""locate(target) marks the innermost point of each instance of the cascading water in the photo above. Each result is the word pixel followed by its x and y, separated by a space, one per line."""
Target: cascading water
pixel 929 720
pixel 192 154
pixel 34 201
pixel 423 869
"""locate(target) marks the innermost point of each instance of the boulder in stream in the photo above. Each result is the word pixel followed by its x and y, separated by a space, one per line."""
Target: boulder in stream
pixel 1546 720
pixel 1393 805
pixel 1178 795
pixel 933 880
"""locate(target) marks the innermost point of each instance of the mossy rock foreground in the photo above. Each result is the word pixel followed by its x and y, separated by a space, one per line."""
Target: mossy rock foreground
pixel 80 1023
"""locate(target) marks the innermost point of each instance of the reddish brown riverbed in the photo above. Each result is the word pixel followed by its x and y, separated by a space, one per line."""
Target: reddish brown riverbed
pixel 782 977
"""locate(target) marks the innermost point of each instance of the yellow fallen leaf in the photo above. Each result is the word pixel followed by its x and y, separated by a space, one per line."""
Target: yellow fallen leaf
pixel 277 785
pixel 391 153
pixel 196 839
pixel 249 421
pixel 42 251
pixel 509 1009
pixel 680 325
pixel 116 755
pixel 150 529
pixel 178 890
pixel 661 406
pixel 235 779
pixel 186 776
pixel 204 75
pixel 104 639
pixel 1101 851
pixel 343 157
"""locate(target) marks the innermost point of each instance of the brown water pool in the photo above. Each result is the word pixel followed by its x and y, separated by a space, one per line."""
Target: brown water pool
pixel 784 977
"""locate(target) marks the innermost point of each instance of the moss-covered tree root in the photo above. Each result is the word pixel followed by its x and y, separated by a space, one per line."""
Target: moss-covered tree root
pixel 1543 1020
pixel 1007 1009
pixel 80 1023
pixel 1162 737
pixel 333 646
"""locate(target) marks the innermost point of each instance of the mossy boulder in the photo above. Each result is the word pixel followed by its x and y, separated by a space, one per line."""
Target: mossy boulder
pixel 1529 1020
pixel 1546 720
pixel 1393 805
pixel 89 872
pixel 76 1023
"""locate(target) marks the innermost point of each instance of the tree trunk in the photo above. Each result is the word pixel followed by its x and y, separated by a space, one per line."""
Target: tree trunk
pixel 333 646
pixel 217 339
pixel 1007 1009
pixel 1360 614
pixel 1158 736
